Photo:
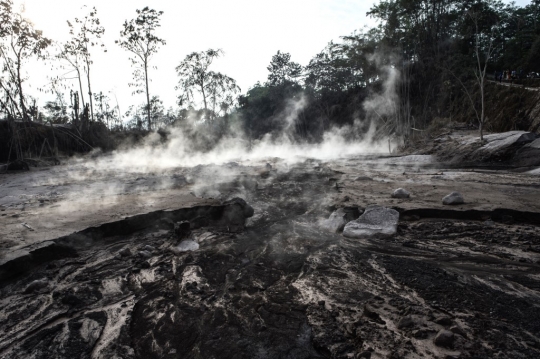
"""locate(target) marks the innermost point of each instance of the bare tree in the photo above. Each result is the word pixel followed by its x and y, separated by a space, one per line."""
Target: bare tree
pixel 19 43
pixel 483 50
pixel 138 37
pixel 85 34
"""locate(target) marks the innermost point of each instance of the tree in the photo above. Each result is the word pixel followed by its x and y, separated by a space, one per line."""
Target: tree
pixel 138 37
pixel 20 42
pixel 85 34
pixel 282 69
pixel 216 89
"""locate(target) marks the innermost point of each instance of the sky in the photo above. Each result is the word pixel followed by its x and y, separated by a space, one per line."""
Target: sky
pixel 249 32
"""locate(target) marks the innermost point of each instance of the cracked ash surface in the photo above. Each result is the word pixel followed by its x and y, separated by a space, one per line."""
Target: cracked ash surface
pixel 453 282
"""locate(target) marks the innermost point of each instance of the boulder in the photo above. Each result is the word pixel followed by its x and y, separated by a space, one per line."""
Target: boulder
pixel 405 322
pixel 444 338
pixel 376 220
pixel 500 141
pixel 453 199
pixel 182 229
pixel 125 252
pixel 145 254
pixel 401 193
pixel 339 218
pixel 528 155
pixel 36 285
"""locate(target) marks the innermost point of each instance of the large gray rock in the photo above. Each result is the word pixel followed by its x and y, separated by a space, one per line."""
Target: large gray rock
pixel 339 218
pixel 401 193
pixel 500 141
pixel 528 155
pixel 453 199
pixel 503 146
pixel 376 220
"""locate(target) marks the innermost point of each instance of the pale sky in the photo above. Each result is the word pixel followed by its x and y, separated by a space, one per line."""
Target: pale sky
pixel 249 32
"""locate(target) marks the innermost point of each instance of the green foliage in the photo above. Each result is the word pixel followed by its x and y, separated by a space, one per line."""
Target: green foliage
pixel 216 90
pixel 283 70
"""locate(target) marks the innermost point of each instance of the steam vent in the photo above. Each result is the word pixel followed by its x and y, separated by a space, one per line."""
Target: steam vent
pixel 270 179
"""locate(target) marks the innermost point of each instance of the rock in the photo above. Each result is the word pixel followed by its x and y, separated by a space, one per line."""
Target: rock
pixel 339 218
pixel 420 334
pixel 498 142
pixel 444 320
pixel 185 246
pixel 365 355
pixel 370 312
pixel 149 248
pixel 528 155
pixel 376 220
pixel 182 229
pixel 444 338
pixel 405 322
pixel 235 214
pixel 36 285
pixel 401 193
pixel 453 199
pixel 145 254
pixel 125 252
pixel 456 329
pixel 363 178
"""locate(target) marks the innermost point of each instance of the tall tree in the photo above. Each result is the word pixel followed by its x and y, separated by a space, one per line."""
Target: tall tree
pixel 282 69
pixel 21 42
pixel 85 34
pixel 138 37
pixel 216 90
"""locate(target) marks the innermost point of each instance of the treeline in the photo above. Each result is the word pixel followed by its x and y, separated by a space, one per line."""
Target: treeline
pixel 421 58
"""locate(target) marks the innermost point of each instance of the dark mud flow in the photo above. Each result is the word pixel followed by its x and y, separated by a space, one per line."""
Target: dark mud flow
pixel 454 282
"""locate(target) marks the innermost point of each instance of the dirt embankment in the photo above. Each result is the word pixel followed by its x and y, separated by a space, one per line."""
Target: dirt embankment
pixel 508 108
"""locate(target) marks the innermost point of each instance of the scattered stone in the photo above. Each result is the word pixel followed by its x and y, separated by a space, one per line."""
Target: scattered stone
pixel 401 193
pixel 363 178
pixel 453 199
pixel 376 220
pixel 370 312
pixel 456 329
pixel 419 334
pixel 405 322
pixel 149 248
pixel 365 354
pixel 339 218
pixel 145 254
pixel 444 338
pixel 185 246
pixel 36 285
pixel 125 252
pixel 182 229
pixel 443 320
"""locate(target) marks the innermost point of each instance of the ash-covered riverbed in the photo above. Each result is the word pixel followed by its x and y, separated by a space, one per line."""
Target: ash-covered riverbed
pixel 453 282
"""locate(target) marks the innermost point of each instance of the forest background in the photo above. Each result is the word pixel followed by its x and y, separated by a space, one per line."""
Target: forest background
pixel 421 64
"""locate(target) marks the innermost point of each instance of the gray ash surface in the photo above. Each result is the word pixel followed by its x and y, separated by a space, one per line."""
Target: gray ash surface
pixel 285 288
